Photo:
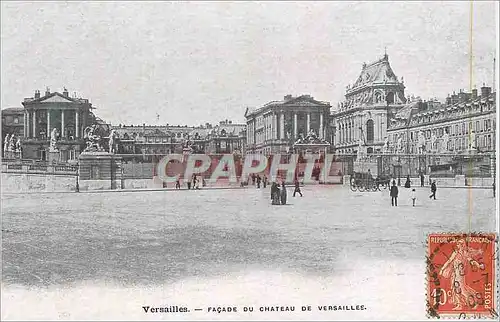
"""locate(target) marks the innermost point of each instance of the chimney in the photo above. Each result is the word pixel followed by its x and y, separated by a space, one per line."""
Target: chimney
pixel 462 97
pixel 448 100
pixel 65 92
pixel 37 94
pixel 47 91
pixel 474 93
pixel 230 122
pixel 485 91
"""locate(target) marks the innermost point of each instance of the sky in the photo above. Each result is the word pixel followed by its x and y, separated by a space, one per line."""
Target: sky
pixel 197 62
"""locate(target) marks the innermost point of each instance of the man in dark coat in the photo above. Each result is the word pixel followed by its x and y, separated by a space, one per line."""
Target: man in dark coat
pixel 394 194
pixel 433 190
pixel 422 179
pixel 297 188
pixel 283 193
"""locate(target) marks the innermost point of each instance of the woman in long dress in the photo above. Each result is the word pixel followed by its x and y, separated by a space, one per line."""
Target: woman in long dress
pixel 275 194
pixel 455 269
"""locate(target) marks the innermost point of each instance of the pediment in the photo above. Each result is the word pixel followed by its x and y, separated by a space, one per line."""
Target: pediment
pixel 56 99
pixel 302 101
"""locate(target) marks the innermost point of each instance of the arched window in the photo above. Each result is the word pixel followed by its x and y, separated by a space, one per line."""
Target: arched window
pixel 369 131
pixel 369 150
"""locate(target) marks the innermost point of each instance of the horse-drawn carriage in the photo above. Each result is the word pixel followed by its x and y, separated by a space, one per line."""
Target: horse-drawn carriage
pixel 365 182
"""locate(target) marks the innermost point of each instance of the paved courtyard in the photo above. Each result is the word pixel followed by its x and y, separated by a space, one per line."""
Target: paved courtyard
pixel 114 252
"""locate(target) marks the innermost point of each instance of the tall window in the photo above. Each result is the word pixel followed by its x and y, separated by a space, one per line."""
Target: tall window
pixel 369 131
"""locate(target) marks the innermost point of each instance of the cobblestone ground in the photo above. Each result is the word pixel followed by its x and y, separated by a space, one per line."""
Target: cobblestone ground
pixel 112 253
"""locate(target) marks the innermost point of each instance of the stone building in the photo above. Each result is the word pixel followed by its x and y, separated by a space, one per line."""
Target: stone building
pixel 274 127
pixel 224 138
pixel 69 115
pixel 151 139
pixel 361 120
pixel 448 127
pixel 13 121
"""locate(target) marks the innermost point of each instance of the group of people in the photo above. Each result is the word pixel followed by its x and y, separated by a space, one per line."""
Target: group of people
pixel 394 192
pixel 257 179
pixel 194 183
pixel 278 195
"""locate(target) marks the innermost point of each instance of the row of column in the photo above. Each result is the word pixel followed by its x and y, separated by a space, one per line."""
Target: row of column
pixel 274 124
pixel 31 119
pixel 348 129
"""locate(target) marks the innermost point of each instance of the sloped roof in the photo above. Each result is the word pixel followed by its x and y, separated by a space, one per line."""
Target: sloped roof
pixel 377 72
pixel 13 110
pixel 301 100
pixel 62 98
pixel 405 111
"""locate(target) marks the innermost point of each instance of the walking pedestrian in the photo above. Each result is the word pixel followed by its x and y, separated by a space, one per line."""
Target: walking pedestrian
pixel 297 188
pixel 177 184
pixel 264 181
pixel 283 193
pixel 259 179
pixel 394 194
pixel 413 196
pixel 422 179
pixel 433 190
pixel 494 187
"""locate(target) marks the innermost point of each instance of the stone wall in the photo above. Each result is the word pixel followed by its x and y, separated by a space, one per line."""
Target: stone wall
pixel 28 182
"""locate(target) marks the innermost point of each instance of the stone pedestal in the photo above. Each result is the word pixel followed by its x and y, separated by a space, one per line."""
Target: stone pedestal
pixel 99 171
pixel 53 156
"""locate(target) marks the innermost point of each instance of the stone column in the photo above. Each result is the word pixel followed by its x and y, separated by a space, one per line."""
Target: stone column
pixel 48 124
pixel 24 123
pixel 282 126
pixel 308 122
pixel 34 123
pixel 275 126
pixel 63 134
pixel 295 127
pixel 77 124
pixel 321 134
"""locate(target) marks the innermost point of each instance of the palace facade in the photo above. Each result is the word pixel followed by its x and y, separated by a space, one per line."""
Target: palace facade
pixel 68 115
pixel 274 127
pixel 467 121
pixel 361 120
pixel 226 137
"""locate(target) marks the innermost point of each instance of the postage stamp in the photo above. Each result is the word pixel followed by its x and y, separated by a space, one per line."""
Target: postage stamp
pixel 461 276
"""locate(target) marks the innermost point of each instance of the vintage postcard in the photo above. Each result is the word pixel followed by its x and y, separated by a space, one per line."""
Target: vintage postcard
pixel 244 160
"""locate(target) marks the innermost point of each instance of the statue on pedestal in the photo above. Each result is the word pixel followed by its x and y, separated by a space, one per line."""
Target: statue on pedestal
pixel 53 140
pixel 6 144
pixel 93 140
pixel 12 144
pixel 112 136
pixel 19 148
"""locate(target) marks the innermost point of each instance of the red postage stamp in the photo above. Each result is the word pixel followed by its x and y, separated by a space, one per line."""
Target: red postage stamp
pixel 461 277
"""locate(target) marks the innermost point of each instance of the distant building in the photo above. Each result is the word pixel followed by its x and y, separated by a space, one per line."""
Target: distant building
pixel 150 140
pixel 274 127
pixel 69 115
pixel 361 120
pixel 13 121
pixel 447 127
pixel 224 138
